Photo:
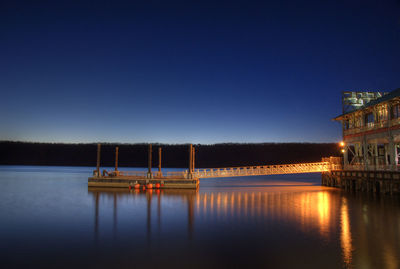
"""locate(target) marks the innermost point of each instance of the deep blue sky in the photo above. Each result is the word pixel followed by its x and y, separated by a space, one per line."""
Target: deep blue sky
pixel 190 71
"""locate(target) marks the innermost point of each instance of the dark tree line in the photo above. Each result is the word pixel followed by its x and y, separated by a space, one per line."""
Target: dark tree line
pixel 135 155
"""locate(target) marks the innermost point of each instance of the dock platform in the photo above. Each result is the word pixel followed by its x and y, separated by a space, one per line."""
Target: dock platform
pixel 142 179
pixel 126 182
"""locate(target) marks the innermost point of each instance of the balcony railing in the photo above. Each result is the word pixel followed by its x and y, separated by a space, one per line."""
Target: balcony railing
pixel 361 167
pixel 372 126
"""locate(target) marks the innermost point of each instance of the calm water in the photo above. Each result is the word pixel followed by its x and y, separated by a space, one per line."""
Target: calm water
pixel 49 217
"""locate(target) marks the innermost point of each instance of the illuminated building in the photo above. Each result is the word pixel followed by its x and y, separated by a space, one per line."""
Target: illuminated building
pixel 371 130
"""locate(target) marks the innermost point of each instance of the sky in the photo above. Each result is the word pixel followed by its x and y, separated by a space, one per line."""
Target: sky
pixel 190 71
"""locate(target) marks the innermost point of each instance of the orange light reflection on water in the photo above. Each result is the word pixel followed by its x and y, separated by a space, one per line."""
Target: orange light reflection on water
pixel 314 211
pixel 345 234
pixel 323 205
pixel 363 232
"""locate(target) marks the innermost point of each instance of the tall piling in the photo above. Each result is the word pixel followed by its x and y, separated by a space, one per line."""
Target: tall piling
pixel 194 155
pixel 193 158
pixel 116 158
pixel 98 159
pixel 190 160
pixel 159 161
pixel 149 161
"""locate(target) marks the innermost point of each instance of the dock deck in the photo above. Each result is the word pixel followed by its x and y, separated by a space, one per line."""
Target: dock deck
pixel 126 181
pixel 143 179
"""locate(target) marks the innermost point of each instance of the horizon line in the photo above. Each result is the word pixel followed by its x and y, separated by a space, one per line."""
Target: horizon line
pixel 159 143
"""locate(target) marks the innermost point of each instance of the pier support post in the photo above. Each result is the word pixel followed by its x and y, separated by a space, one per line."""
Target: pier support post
pixel 392 153
pixel 365 153
pixel 159 162
pixel 193 158
pixel 98 159
pixel 116 159
pixel 150 161
pixel 190 161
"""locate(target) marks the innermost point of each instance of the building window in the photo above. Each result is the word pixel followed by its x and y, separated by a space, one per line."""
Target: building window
pixel 382 113
pixel 369 119
pixel 395 111
pixel 346 124
pixel 358 121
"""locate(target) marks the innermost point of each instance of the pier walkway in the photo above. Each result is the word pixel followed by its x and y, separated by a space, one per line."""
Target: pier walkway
pixel 242 171
pixel 280 169
pixel 190 178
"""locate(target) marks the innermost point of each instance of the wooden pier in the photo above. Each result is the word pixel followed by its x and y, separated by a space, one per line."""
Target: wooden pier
pixel 126 182
pixel 189 179
pixel 382 182
pixel 142 179
pixel 371 143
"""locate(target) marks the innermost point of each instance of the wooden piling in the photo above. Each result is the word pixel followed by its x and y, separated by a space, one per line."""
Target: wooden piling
pixel 159 161
pixel 190 160
pixel 193 158
pixel 116 159
pixel 98 159
pixel 383 182
pixel 150 160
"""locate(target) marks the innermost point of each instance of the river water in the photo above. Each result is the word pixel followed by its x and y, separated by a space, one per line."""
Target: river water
pixel 49 218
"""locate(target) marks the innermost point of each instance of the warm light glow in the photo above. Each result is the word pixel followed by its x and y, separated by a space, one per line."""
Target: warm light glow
pixel 314 211
pixel 343 151
pixel 323 206
pixel 342 144
pixel 345 236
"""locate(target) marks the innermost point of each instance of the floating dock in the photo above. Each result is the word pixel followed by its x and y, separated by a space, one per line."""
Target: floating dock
pixel 152 183
pixel 144 179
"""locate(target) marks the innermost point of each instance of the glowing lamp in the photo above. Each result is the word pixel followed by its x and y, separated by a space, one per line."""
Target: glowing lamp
pixel 341 144
pixel 343 151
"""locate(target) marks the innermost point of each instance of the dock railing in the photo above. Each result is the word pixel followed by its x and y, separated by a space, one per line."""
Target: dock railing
pixel 370 167
pixel 144 174
pixel 372 126
pixel 327 164
pixel 267 170
pixel 139 174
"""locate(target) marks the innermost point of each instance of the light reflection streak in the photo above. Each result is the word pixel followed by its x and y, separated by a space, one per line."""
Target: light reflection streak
pixel 322 213
pixel 252 204
pixel 225 205
pixel 232 203
pixel 315 211
pixel 390 258
pixel 345 235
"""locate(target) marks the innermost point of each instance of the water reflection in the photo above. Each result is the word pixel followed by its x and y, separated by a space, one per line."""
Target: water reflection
pixel 324 214
pixel 96 216
pixel 187 196
pixel 345 235
pixel 148 199
pixel 313 211
pixel 51 217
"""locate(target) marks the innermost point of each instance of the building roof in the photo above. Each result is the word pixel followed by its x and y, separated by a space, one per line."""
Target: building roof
pixel 386 97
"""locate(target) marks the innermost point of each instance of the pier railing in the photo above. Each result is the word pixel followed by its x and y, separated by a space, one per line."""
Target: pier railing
pixel 176 174
pixel 266 170
pixel 327 164
pixel 372 126
pixel 370 167
pixel 139 174
pixel 144 174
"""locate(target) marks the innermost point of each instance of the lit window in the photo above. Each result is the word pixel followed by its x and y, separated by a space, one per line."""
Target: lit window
pixel 346 124
pixel 369 119
pixel 396 111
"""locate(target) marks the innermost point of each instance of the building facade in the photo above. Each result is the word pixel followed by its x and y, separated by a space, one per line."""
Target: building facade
pixel 371 130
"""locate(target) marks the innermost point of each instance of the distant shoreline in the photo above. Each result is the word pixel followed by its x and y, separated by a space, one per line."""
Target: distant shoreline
pixel 173 156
